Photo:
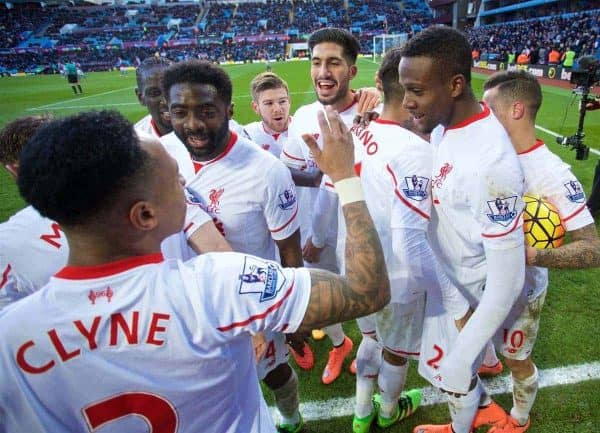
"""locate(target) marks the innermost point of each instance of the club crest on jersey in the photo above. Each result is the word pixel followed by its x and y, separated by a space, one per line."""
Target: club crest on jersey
pixel 575 191
pixel 260 277
pixel 503 210
pixel 214 196
pixel 95 294
pixel 287 199
pixel 415 187
pixel 441 177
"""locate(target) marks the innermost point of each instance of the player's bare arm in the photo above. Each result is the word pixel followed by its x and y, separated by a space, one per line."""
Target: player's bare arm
pixel 290 251
pixel 365 288
pixel 208 239
pixel 582 252
pixel 303 178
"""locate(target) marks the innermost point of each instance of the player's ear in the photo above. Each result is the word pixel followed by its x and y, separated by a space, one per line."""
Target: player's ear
pixel 457 85
pixel 517 110
pixel 230 111
pixel 142 216
pixel 13 169
pixel 140 96
pixel 353 71
pixel 255 107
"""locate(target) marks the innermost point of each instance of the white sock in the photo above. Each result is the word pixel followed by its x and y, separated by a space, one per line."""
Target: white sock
pixel 391 382
pixel 463 410
pixel 484 399
pixel 335 333
pixel 288 401
pixel 524 392
pixel 490 359
pixel 368 362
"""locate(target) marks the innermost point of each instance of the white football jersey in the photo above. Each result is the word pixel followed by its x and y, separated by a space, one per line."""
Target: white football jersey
pixel 296 154
pixel 32 249
pixel 477 185
pixel 395 173
pixel 179 153
pixel 144 344
pixel 147 126
pixel 270 142
pixel 250 195
pixel 548 176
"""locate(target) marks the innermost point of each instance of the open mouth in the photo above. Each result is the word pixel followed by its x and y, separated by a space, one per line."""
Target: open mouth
pixel 325 85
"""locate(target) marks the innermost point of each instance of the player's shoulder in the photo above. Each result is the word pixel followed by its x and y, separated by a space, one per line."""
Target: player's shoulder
pixel 142 124
pixel 250 152
pixel 307 112
pixel 23 222
pixel 254 129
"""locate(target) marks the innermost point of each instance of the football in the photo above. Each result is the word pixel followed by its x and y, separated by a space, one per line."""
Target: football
pixel 542 224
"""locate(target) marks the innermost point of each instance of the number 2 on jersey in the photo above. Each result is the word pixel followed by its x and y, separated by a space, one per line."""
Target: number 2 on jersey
pixel 156 411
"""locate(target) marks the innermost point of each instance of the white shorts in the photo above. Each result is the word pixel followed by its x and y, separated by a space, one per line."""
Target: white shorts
pixel 516 338
pixel 277 353
pixel 439 336
pixel 400 326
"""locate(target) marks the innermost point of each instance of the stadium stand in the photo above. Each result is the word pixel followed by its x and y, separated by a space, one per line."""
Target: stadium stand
pixel 37 40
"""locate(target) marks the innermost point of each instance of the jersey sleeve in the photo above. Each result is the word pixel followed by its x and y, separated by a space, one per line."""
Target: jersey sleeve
pixel 250 294
pixel 291 152
pixel 280 204
pixel 410 179
pixel 568 196
pixel 195 215
pixel 499 205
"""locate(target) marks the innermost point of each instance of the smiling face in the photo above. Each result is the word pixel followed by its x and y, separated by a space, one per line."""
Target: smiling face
pixel 331 73
pixel 428 94
pixel 200 119
pixel 273 106
pixel 150 95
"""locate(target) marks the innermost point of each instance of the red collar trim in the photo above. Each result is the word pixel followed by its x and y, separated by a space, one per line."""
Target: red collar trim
pixel 275 135
pixel 107 269
pixel 538 143
pixel 232 139
pixel 485 113
pixel 354 101
pixel 387 122
pixel 156 131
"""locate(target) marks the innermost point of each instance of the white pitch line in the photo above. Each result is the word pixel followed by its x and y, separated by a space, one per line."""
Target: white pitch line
pixel 80 99
pixel 338 407
pixel 69 107
pixel 554 134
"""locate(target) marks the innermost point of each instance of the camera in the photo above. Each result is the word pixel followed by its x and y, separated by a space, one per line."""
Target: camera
pixel 587 72
pixel 582 152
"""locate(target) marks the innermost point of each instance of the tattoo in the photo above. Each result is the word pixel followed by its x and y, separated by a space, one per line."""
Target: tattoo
pixel 581 253
pixel 364 289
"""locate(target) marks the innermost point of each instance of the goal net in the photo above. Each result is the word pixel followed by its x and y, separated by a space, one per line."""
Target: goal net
pixel 383 43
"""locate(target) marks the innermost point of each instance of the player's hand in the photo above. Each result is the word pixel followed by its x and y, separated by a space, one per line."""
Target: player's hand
pixel 296 341
pixel 336 159
pixel 310 253
pixel 460 323
pixel 367 99
pixel 530 255
pixel 455 376
pixel 363 120
pixel 259 343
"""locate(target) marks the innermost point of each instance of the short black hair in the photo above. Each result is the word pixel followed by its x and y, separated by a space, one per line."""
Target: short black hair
pixel 388 74
pixel 198 72
pixel 149 64
pixel 448 48
pixel 341 37
pixel 15 135
pixel 73 168
pixel 517 86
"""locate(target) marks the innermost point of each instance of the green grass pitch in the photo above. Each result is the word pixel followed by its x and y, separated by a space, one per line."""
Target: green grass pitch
pixel 570 324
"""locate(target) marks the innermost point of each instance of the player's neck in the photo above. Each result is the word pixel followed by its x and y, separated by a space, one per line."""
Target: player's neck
pixel 160 128
pixel 344 103
pixel 90 247
pixel 522 137
pixel 393 112
pixel 465 107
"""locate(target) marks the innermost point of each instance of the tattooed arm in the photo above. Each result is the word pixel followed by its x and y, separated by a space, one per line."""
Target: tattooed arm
pixel 581 253
pixel 365 288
